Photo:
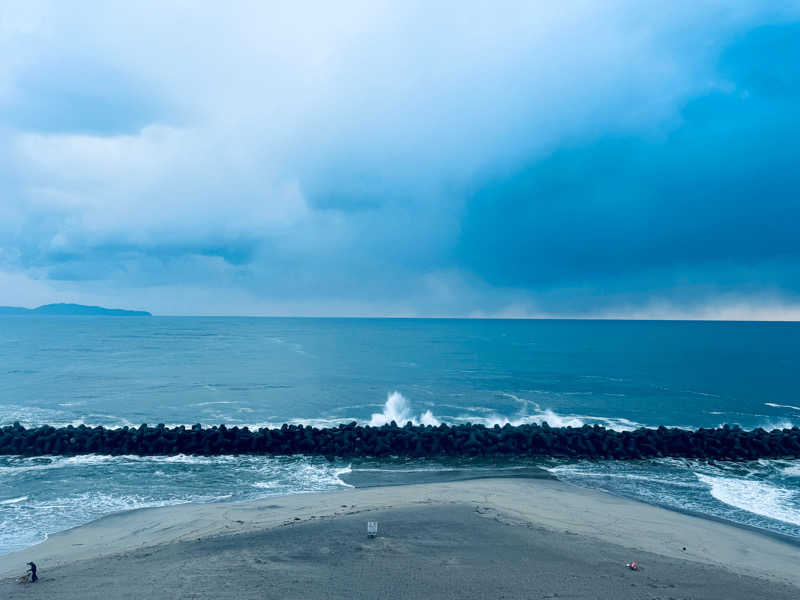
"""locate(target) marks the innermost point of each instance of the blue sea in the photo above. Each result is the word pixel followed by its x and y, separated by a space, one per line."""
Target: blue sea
pixel 261 371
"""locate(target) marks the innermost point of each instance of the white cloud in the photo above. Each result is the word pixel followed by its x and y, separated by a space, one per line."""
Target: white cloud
pixel 20 289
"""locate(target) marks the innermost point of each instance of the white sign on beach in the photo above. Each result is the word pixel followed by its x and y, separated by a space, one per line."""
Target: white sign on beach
pixel 372 528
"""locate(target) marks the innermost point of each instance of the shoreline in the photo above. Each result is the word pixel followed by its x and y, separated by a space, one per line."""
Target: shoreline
pixel 777 535
pixel 529 504
pixel 364 479
pixel 536 472
pixel 351 480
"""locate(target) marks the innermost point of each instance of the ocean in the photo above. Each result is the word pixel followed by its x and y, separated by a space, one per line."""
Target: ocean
pixel 261 371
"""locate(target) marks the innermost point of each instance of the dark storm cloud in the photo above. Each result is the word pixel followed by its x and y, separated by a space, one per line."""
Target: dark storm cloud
pixel 381 158
pixel 720 191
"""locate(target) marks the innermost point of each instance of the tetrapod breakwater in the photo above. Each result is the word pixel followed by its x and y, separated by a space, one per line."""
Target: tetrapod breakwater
pixel 409 440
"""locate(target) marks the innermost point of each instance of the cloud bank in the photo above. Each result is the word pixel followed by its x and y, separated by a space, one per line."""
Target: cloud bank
pixel 369 158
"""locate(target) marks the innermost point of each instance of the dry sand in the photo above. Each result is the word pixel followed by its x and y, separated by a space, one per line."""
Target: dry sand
pixel 492 538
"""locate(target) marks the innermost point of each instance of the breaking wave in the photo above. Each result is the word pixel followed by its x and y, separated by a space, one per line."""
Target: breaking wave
pixel 398 409
pixel 771 425
pixel 762 493
pixel 93 486
pixel 307 478
pixel 757 497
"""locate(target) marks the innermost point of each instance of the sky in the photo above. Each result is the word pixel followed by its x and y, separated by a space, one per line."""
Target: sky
pixel 515 159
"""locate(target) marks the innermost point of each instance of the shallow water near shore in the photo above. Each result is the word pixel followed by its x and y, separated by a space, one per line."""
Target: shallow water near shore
pixel 257 372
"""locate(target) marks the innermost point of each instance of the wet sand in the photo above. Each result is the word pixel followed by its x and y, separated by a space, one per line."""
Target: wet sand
pixel 489 538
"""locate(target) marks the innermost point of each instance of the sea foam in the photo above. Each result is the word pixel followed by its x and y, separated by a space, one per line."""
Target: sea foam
pixel 756 497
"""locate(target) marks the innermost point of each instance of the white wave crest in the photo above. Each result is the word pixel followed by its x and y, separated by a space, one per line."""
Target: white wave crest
pixel 577 473
pixel 541 416
pixel 302 479
pixel 397 409
pixel 16 465
pixel 791 471
pixel 773 405
pixel 32 416
pixel 13 465
pixel 14 500
pixel 756 497
pixel 770 425
pixel 553 419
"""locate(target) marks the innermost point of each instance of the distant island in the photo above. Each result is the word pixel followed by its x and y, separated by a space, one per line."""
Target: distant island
pixel 62 309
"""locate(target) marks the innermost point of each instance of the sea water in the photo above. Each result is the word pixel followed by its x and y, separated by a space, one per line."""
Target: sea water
pixel 265 372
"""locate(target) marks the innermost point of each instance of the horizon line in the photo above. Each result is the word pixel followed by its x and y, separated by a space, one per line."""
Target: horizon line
pixel 474 318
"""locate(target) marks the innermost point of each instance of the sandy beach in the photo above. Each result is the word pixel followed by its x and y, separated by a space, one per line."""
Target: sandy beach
pixel 487 538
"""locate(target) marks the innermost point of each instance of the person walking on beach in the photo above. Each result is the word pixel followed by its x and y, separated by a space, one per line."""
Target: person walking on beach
pixel 32 571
